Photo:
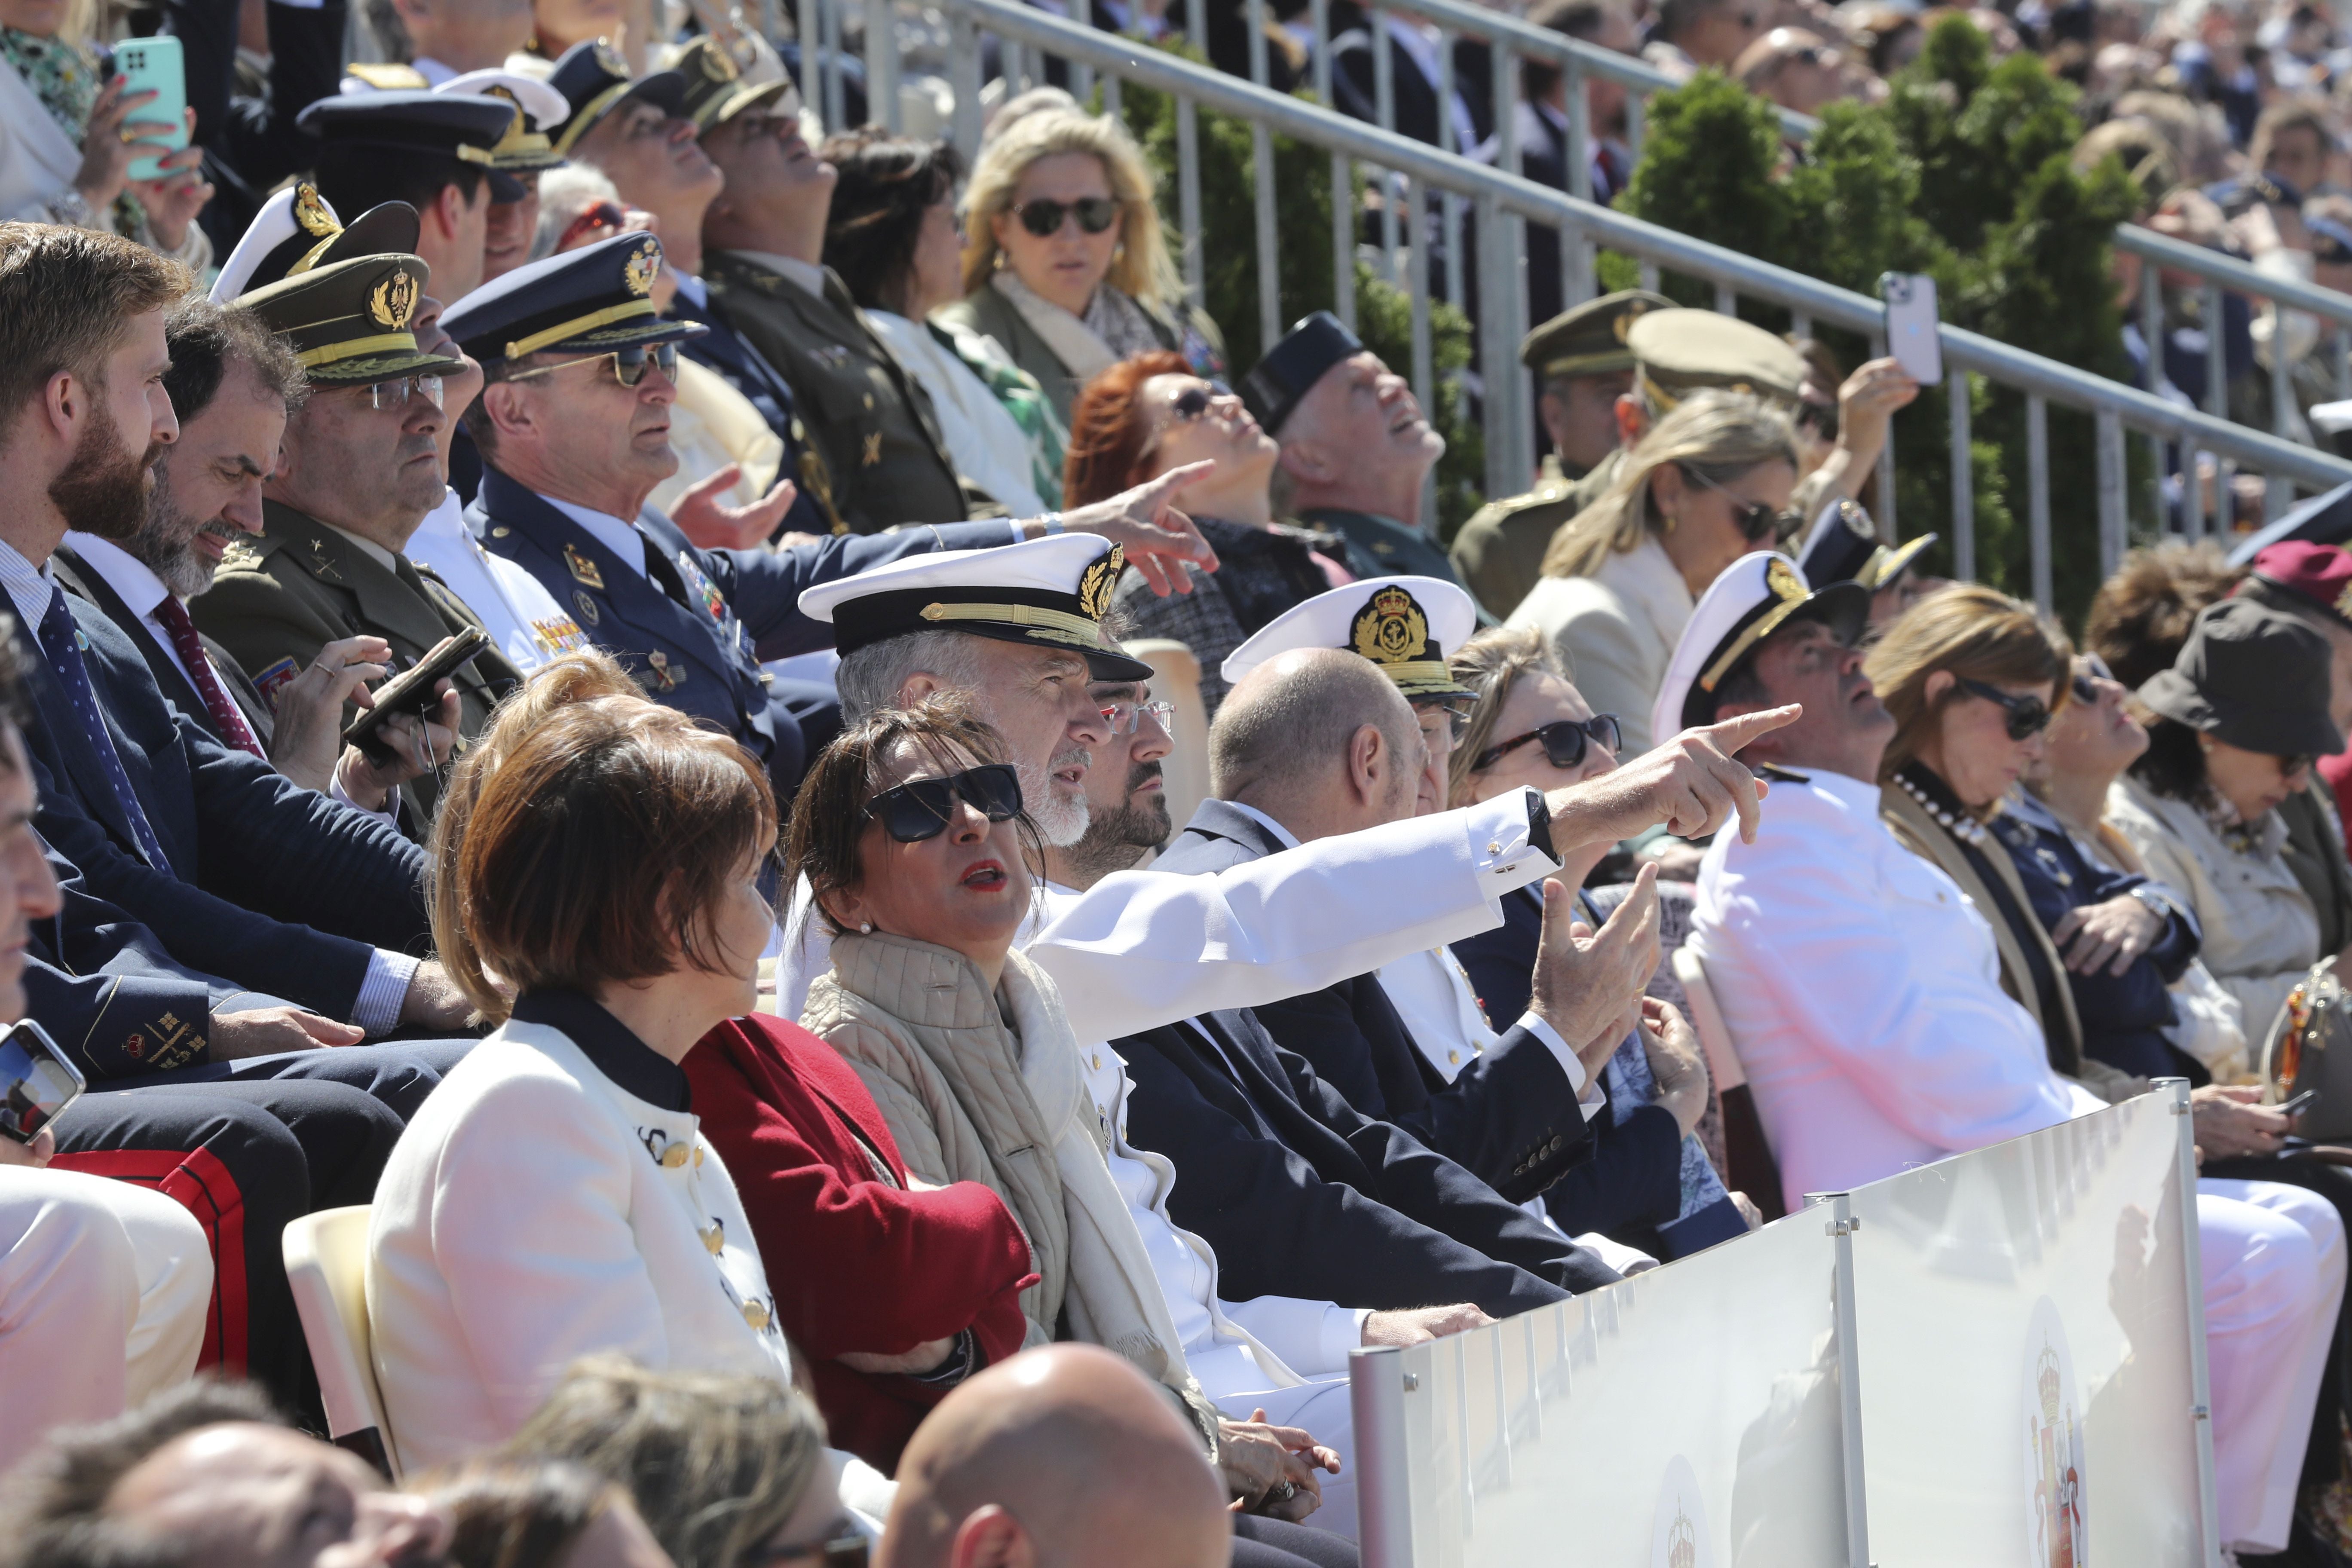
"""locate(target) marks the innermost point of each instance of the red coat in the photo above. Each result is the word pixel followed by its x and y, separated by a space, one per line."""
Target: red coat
pixel 854 1260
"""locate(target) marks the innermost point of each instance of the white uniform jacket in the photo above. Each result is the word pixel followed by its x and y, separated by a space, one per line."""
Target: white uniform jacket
pixel 533 1213
pixel 1614 632
pixel 1863 992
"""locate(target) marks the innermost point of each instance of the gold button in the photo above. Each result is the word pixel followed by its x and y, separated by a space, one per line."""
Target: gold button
pixel 1495 848
pixel 869 401
pixel 674 1157
pixel 697 1156
pixel 500 531
pixel 1452 1056
pixel 755 1312
pixel 1096 1061
pixel 714 1236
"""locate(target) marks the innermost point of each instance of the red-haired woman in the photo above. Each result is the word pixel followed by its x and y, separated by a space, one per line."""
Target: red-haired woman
pixel 1149 414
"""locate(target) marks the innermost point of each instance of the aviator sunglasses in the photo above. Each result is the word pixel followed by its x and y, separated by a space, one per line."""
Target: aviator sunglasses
pixel 1755 521
pixel 628 364
pixel 2027 716
pixel 1042 217
pixel 918 809
pixel 1564 742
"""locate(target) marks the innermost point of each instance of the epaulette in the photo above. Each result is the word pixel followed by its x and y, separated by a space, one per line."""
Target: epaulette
pixel 384 77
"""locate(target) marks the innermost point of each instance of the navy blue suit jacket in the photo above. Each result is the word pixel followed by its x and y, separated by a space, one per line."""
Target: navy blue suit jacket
pixel 271 887
pixel 1511 1117
pixel 125 1006
pixel 1301 1195
pixel 705 662
pixel 748 372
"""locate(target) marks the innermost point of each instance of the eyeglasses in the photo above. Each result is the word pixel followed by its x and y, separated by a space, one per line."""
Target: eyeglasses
pixel 1564 742
pixel 1126 717
pixel 2028 716
pixel 604 214
pixel 2089 670
pixel 1755 521
pixel 395 392
pixel 921 808
pixel 628 364
pixel 845 1550
pixel 1042 217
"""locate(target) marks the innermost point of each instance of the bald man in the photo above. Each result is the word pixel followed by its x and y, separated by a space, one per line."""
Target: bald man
pixel 1064 1455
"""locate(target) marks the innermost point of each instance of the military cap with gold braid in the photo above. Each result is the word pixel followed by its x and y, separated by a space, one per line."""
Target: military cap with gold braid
pixel 1753 597
pixel 1590 338
pixel 435 124
pixel 1678 351
pixel 297 231
pixel 538 107
pixel 581 302
pixel 715 91
pixel 1843 547
pixel 1045 592
pixel 1407 626
pixel 595 81
pixel 350 323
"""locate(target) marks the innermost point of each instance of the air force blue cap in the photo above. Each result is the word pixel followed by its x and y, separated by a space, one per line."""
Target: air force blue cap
pixel 589 300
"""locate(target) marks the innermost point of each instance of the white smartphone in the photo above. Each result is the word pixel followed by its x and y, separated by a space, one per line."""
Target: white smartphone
pixel 1911 325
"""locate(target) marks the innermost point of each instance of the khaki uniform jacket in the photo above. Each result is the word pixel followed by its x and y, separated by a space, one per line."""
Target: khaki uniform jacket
pixel 277 600
pixel 884 460
pixel 1614 632
pixel 1499 551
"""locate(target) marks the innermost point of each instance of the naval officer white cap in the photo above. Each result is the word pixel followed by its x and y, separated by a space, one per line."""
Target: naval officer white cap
pixel 1753 597
pixel 1407 626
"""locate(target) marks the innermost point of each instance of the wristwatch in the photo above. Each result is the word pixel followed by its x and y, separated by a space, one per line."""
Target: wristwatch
pixel 2146 893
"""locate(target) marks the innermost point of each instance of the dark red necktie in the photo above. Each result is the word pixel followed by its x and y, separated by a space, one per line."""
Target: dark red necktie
pixel 173 615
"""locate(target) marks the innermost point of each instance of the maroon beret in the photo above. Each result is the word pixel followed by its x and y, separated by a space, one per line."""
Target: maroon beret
pixel 2318 574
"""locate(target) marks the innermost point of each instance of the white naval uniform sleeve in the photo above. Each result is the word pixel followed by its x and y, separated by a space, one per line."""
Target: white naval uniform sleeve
pixel 1142 949
pixel 1313 1338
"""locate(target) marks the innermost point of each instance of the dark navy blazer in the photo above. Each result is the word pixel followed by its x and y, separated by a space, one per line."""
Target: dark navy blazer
pixel 271 887
pixel 1303 1195
pixel 127 1006
pixel 701 658
pixel 1511 1117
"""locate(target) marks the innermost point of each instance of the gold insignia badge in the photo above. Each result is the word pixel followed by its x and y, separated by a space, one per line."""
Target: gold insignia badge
pixel 394 301
pixel 873 449
pixel 1782 580
pixel 643 268
pixel 1096 585
pixel 1624 326
pixel 582 569
pixel 1857 520
pixel 718 65
pixel 1391 628
pixel 608 58
pixel 310 213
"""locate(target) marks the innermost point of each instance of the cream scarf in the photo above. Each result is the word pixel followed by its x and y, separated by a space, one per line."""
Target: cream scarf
pixel 1113 328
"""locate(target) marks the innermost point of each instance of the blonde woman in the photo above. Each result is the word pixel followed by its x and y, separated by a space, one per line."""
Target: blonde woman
pixel 1065 262
pixel 1710 482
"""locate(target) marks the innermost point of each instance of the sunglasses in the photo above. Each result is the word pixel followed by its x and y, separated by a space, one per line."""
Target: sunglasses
pixel 1564 742
pixel 845 1550
pixel 1191 404
pixel 920 808
pixel 1044 217
pixel 1126 717
pixel 1821 418
pixel 604 214
pixel 395 392
pixel 2027 716
pixel 628 364
pixel 1755 521
pixel 2089 670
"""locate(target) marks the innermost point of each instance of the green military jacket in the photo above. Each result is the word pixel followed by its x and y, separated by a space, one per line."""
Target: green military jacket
pixel 1499 551
pixel 278 599
pixel 884 462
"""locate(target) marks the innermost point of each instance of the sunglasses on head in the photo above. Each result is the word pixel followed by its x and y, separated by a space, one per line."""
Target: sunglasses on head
pixel 1821 418
pixel 1042 217
pixel 628 364
pixel 2026 716
pixel 1755 520
pixel 920 808
pixel 1564 742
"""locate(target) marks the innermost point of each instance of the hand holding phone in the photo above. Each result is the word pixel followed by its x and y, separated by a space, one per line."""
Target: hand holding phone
pixel 1911 318
pixel 2290 1107
pixel 36 1081
pixel 161 123
pixel 412 691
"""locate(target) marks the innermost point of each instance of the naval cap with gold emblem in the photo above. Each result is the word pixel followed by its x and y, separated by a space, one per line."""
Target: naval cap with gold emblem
pixel 410 124
pixel 716 90
pixel 1843 547
pixel 583 301
pixel 1590 339
pixel 1755 596
pixel 1679 352
pixel 595 81
pixel 1407 626
pixel 297 231
pixel 526 144
pixel 1047 593
pixel 350 323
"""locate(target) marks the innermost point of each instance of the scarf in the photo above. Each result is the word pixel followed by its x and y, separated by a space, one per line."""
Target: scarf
pixel 1114 327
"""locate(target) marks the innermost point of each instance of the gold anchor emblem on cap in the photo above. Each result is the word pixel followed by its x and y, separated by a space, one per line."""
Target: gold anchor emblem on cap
pixel 1391 628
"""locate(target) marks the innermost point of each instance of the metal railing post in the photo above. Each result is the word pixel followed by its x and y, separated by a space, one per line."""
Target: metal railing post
pixel 2217 368
pixel 2192 1264
pixel 882 64
pixel 1424 375
pixel 2037 495
pixel 2115 521
pixel 1838 1222
pixel 1377 1391
pixel 807 28
pixel 1269 278
pixel 1188 194
pixel 1082 75
pixel 1343 181
pixel 1384 113
pixel 963 42
pixel 1964 477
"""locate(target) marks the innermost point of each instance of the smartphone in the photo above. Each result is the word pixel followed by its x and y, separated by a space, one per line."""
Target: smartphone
pixel 37 1080
pixel 1911 325
pixel 154 65
pixel 2290 1107
pixel 411 691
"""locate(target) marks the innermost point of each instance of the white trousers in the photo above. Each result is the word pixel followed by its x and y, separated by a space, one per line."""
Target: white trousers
pixel 2274 1258
pixel 104 1288
pixel 1322 1409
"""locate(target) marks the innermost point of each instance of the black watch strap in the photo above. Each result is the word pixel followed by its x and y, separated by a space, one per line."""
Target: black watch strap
pixel 1539 826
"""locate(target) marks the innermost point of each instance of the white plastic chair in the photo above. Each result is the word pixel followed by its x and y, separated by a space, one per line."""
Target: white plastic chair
pixel 326 1264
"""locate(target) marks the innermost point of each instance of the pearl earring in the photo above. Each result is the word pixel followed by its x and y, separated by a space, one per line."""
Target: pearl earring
pixel 865 927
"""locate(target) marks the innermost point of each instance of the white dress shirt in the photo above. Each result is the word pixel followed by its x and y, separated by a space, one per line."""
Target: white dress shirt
pixel 613 534
pixel 1863 992
pixel 135 583
pixel 529 626
pixel 376 1008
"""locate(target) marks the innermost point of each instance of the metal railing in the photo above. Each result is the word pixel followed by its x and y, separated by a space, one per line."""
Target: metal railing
pixel 1496 200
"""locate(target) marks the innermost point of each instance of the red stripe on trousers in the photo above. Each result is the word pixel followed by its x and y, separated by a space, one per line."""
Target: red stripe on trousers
pixel 199 1183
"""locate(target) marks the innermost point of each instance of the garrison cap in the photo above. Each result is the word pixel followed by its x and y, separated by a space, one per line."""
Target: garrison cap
pixel 588 301
pixel 1755 596
pixel 1046 592
pixel 526 144
pixel 715 91
pixel 1407 626
pixel 1845 548
pixel 297 231
pixel 2300 574
pixel 350 323
pixel 438 124
pixel 1275 384
pixel 595 80
pixel 1680 351
pixel 1590 339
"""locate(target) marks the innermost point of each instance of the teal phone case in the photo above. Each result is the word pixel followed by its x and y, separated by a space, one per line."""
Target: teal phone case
pixel 155 64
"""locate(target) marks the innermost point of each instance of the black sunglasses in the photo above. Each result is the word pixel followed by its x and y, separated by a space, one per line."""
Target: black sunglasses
pixel 845 1550
pixel 1564 741
pixel 1191 404
pixel 1755 521
pixel 920 808
pixel 2027 716
pixel 2089 670
pixel 1044 217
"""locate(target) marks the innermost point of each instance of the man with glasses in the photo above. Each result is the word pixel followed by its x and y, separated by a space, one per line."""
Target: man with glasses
pixel 359 468
pixel 880 458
